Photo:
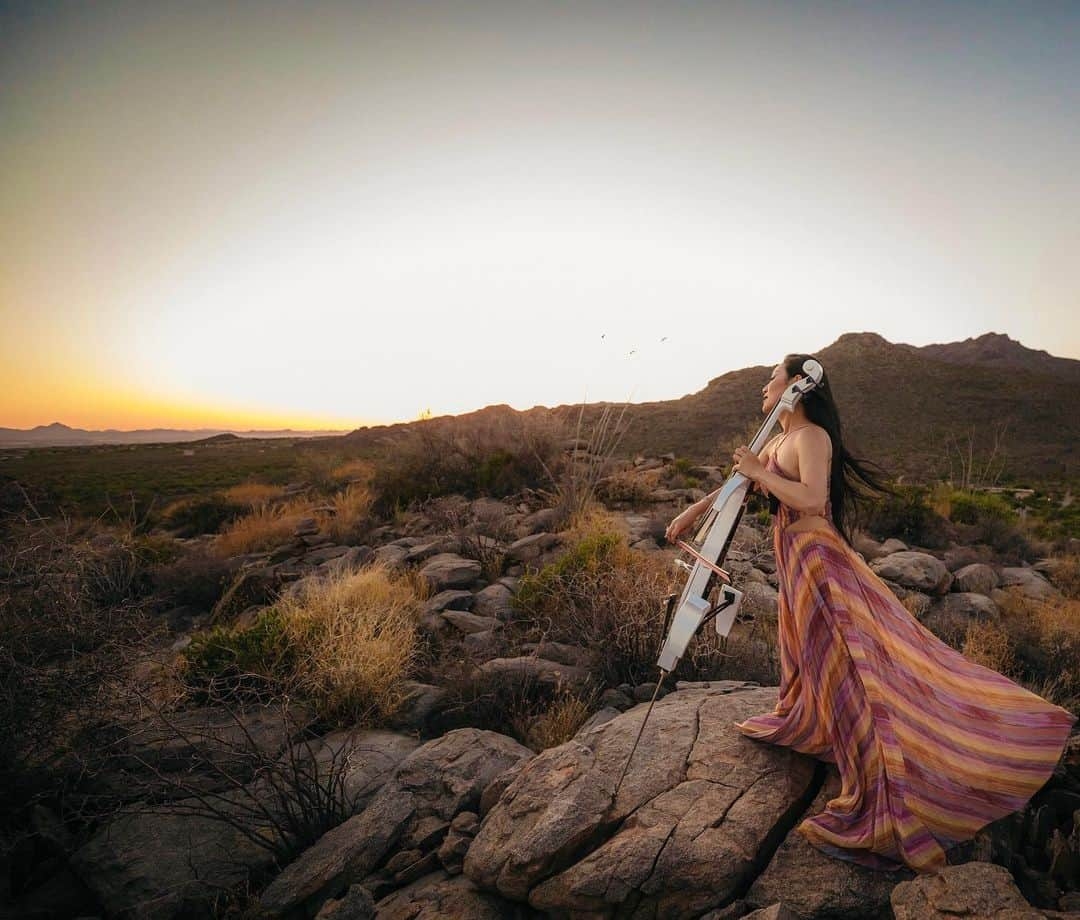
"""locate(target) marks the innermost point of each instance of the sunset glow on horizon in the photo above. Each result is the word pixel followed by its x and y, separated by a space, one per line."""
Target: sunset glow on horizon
pixel 322 216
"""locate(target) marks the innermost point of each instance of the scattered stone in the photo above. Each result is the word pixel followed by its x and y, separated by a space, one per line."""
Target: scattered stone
pixel 448 570
pixel 392 555
pixel 456 844
pixel 157 863
pixel 440 779
pixel 559 651
pixel 531 547
pixel 324 554
pixel 483 646
pixel 420 703
pixel 440 896
pixel 470 622
pixel 1030 582
pixel 494 601
pixel 539 521
pixel 951 614
pixel 616 699
pixel 356 557
pixel 977 577
pixel 357 904
pixel 538 669
pixel 974 889
pixel 452 598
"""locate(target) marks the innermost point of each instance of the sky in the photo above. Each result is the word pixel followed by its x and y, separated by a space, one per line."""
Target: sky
pixel 326 215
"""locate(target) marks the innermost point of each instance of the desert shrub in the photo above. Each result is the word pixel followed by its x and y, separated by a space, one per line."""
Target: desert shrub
pixel 252 494
pixel 601 594
pixel 485 529
pixel 197 578
pixel 971 507
pixel 192 517
pixel 265 528
pixel 626 486
pixel 355 470
pixel 906 516
pixel 230 663
pixel 537 713
pixel 495 456
pixel 990 645
pixel 558 723
pixel 344 643
pixel 1045 639
pixel 1007 537
pixel 1066 575
pixel 352 513
pixel 73 623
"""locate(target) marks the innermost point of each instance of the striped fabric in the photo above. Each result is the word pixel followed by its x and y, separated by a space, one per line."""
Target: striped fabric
pixel 929 746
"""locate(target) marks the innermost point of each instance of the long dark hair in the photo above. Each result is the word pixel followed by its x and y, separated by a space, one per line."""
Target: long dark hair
pixel 848 476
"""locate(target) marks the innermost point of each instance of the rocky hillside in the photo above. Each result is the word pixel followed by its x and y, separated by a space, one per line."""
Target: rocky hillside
pixel 471 823
pixel 899 404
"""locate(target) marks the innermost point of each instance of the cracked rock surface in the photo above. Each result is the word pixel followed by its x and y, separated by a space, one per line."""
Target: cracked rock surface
pixel 816 885
pixel 699 812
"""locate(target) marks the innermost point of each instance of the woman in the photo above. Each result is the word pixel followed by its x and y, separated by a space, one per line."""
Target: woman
pixel 929 746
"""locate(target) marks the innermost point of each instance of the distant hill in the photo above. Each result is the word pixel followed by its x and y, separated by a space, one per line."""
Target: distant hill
pixel 60 435
pixel 899 405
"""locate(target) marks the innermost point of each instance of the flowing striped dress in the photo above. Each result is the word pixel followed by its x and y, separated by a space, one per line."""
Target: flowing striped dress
pixel 929 745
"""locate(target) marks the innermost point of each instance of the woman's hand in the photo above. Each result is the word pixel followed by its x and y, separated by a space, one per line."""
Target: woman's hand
pixel 680 523
pixel 747 463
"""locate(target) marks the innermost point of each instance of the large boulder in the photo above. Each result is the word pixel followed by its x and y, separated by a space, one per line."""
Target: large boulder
pixel 161 863
pixel 692 823
pixel 911 569
pixel 423 794
pixel 174 860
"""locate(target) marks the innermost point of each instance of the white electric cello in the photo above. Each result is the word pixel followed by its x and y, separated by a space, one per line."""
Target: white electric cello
pixel 708 549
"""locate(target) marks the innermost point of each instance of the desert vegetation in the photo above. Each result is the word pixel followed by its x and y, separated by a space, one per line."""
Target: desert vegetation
pixel 235 653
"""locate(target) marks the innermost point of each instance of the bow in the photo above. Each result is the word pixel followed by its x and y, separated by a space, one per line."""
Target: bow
pixel 708 549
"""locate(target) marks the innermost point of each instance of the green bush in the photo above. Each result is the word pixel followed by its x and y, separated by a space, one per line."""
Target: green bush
pixel 907 516
pixel 969 507
pixel 233 663
pixel 560 582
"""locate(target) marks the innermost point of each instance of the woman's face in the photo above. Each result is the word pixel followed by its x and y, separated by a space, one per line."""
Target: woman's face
pixel 774 389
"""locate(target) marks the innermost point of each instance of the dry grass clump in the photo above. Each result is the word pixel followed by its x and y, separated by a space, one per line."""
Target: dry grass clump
pixel 266 527
pixel 558 723
pixel 355 470
pixel 352 513
pixel 1066 575
pixel 991 646
pixel 1043 653
pixel 355 639
pixel 252 494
